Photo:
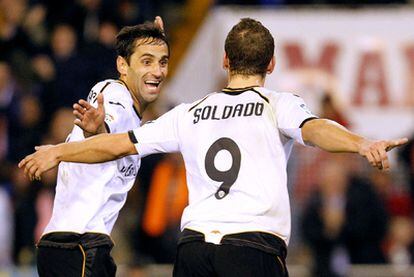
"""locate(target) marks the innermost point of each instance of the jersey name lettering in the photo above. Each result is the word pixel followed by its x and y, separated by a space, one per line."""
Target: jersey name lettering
pixel 218 113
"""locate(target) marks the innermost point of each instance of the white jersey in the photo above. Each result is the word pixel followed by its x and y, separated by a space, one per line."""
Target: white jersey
pixel 235 145
pixel 89 196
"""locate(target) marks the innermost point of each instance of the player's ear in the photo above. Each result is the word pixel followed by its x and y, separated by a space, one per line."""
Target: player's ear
pixel 226 62
pixel 121 65
pixel 271 65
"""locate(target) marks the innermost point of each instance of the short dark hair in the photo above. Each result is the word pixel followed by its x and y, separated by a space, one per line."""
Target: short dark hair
pixel 129 35
pixel 249 47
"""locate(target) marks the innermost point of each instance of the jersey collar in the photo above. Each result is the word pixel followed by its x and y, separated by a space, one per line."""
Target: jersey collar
pixel 237 91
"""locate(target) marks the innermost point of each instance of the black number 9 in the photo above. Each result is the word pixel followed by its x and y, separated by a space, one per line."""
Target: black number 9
pixel 228 177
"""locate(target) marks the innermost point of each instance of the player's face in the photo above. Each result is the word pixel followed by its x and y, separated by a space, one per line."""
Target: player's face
pixel 147 70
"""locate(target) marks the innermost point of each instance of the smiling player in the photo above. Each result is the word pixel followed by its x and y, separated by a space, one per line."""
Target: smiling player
pixel 77 242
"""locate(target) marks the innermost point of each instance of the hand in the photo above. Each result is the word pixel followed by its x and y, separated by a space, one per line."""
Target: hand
pixel 158 21
pixel 376 151
pixel 42 160
pixel 91 120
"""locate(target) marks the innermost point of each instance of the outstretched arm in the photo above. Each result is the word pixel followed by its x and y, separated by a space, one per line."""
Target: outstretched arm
pixel 333 137
pixel 100 148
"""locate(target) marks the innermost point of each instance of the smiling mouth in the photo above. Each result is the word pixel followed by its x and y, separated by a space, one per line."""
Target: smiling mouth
pixel 153 84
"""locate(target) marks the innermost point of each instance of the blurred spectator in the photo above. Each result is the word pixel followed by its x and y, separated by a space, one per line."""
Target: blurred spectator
pixel 24 218
pixel 6 228
pixel 324 217
pixel 15 45
pixel 20 116
pixel 395 196
pixel 100 55
pixel 25 132
pixel 401 242
pixel 44 79
pixel 165 201
pixel 344 211
pixel 72 76
pixel 366 223
pixel 407 157
pixel 60 126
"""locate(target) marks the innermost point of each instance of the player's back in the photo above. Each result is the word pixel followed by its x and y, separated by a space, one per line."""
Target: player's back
pixel 235 145
pixel 236 163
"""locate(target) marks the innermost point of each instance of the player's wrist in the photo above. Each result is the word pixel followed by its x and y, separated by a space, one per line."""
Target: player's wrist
pixel 362 145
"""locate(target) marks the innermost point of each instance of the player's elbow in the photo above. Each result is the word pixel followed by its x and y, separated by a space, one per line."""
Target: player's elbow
pixel 313 129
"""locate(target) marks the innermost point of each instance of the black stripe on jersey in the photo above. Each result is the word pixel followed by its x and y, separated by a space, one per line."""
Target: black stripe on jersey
pixel 136 111
pixel 117 103
pixel 261 95
pixel 227 89
pixel 108 130
pixel 306 120
pixel 237 91
pixel 201 101
pixel 104 87
pixel 132 137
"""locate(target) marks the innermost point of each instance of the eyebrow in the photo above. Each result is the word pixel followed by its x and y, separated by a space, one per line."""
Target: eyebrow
pixel 152 56
pixel 147 55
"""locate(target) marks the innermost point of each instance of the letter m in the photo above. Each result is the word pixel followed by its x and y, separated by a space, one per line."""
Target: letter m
pixel 296 58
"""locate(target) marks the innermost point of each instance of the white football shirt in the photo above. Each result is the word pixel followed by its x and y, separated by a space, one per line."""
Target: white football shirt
pixel 235 145
pixel 89 196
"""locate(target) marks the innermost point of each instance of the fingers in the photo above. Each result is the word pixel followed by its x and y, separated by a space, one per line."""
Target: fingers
pixel 78 114
pixel 23 162
pixel 78 110
pixel 377 159
pixel 78 122
pixel 81 107
pixel 371 159
pixel 158 21
pixel 85 104
pixel 395 143
pixel 385 164
pixel 100 99
pixel 376 154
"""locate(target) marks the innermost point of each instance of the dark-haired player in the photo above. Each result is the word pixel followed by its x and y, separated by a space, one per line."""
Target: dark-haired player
pixel 76 241
pixel 235 143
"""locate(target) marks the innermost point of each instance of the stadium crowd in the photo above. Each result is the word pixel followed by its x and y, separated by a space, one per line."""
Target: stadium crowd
pixel 52 52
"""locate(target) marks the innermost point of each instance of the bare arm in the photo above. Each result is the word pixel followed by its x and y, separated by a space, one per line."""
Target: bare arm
pixel 100 148
pixel 333 137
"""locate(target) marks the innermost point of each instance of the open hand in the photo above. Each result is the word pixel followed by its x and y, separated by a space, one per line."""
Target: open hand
pixel 89 118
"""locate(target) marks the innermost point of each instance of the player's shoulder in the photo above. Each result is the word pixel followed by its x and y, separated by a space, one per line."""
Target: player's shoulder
pixel 191 106
pixel 112 86
pixel 278 97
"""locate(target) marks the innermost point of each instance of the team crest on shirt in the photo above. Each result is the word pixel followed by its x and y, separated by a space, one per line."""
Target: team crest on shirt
pixel 109 118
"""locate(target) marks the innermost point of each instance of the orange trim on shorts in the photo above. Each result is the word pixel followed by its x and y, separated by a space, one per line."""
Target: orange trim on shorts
pixel 84 260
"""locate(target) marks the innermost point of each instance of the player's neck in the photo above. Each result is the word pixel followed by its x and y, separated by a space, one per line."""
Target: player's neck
pixel 139 107
pixel 243 81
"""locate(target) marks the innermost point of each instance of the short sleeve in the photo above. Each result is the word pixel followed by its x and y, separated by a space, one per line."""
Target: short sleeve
pixel 291 114
pixel 159 136
pixel 115 104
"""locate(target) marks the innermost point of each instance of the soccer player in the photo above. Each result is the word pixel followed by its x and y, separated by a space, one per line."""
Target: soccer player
pixel 76 241
pixel 235 143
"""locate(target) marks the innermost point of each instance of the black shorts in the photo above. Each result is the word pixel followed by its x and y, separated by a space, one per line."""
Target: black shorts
pixel 238 255
pixel 66 254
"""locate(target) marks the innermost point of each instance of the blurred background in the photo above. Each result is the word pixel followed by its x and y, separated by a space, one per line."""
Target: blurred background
pixel 352 61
